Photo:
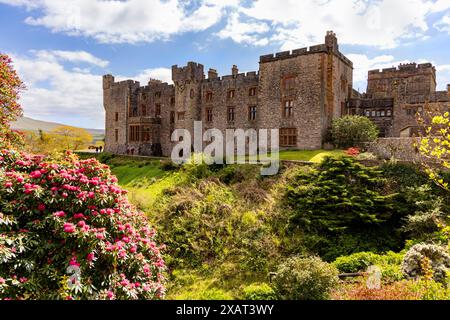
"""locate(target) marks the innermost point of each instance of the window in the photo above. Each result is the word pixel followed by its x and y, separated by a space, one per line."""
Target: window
pixel 192 94
pixel 209 96
pixel 117 116
pixel 231 94
pixel 288 107
pixel 172 101
pixel 116 135
pixel 230 113
pixel 409 112
pixel 209 115
pixel 288 137
pixel 367 113
pixel 158 94
pixel 143 110
pixel 378 114
pixel 172 117
pixel 252 113
pixel 389 113
pixel 180 116
pixel 252 92
pixel 383 113
pixel 374 113
pixel 134 133
pixel 157 110
pixel 146 134
pixel 289 83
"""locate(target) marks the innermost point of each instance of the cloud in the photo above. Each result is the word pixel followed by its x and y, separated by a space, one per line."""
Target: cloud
pixel 130 21
pixel 443 25
pixel 245 32
pixel 72 95
pixel 383 23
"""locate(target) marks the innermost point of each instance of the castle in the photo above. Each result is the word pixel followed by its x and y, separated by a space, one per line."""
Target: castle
pixel 298 92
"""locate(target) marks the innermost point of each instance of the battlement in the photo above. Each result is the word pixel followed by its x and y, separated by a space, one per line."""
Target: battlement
pixel 110 83
pixel 300 52
pixel 192 72
pixel 252 76
pixel 407 67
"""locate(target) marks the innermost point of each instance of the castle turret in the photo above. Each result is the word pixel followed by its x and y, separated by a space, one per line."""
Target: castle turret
pixel 234 70
pixel 193 72
pixel 108 81
pixel 212 74
pixel 448 90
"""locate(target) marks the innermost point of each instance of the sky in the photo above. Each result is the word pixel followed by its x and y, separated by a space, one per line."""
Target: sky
pixel 61 48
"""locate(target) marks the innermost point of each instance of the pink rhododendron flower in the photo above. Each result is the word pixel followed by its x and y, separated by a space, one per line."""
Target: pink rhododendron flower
pixel 69 228
pixel 41 207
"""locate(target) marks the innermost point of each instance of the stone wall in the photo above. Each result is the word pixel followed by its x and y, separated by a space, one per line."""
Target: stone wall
pixel 397 148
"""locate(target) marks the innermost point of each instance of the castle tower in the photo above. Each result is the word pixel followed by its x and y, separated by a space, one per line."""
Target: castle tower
pixel 187 81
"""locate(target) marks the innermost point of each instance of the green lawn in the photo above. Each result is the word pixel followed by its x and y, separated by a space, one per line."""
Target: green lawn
pixel 309 155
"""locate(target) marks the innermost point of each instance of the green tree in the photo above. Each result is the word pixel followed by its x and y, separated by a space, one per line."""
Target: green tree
pixel 71 138
pixel 353 131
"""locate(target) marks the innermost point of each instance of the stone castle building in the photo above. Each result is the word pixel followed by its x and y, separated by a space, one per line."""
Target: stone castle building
pixel 298 92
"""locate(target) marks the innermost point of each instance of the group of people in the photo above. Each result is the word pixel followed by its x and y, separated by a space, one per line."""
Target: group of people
pixel 98 149
pixel 131 151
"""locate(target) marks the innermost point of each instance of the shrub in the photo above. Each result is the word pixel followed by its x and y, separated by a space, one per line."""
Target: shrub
pixel 438 256
pixel 353 131
pixel 305 279
pixel 67 231
pixel 259 291
pixel 356 262
pixel 353 152
pixel 397 291
pixel 106 157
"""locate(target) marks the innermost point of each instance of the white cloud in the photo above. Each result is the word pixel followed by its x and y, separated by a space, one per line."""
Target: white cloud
pixel 383 23
pixel 70 95
pixel 129 21
pixel 245 32
pixel 444 24
pixel 72 56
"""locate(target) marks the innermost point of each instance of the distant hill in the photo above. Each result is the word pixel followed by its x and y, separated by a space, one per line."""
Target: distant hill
pixel 29 124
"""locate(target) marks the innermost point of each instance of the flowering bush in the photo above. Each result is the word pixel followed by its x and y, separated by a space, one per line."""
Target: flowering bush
pixel 67 231
pixel 10 87
pixel 352 152
pixel 412 265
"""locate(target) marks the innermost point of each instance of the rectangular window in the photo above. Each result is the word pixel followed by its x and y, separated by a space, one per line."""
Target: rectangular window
pixel 374 113
pixel 143 110
pixel 252 113
pixel 231 94
pixel 383 113
pixel 367 113
pixel 209 115
pixel 230 113
pixel 180 116
pixel 252 92
pixel 146 134
pixel 389 113
pixel 116 135
pixel 172 101
pixel 409 112
pixel 135 133
pixel 288 137
pixel 157 110
pixel 288 108
pixel 209 96
pixel 289 83
pixel 158 94
pixel 172 117
pixel 117 116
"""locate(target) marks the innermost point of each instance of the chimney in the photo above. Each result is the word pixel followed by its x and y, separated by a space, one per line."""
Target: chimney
pixel 331 41
pixel 212 74
pixel 234 70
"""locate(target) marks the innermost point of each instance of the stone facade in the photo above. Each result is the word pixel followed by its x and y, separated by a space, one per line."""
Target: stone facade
pixel 396 95
pixel 298 92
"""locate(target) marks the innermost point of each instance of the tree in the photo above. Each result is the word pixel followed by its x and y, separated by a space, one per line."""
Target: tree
pixel 10 109
pixel 353 131
pixel 434 145
pixel 72 138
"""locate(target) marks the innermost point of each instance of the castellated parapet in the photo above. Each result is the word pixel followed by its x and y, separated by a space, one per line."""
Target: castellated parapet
pixel 299 92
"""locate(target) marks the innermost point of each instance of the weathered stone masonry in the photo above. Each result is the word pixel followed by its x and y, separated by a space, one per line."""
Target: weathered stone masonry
pixel 298 92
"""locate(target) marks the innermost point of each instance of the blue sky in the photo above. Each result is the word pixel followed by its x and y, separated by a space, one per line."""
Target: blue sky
pixel 61 48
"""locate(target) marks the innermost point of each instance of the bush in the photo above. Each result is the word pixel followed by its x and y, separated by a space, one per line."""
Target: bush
pixel 305 279
pixel 67 231
pixel 353 131
pixel 259 291
pixel 356 262
pixel 412 265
